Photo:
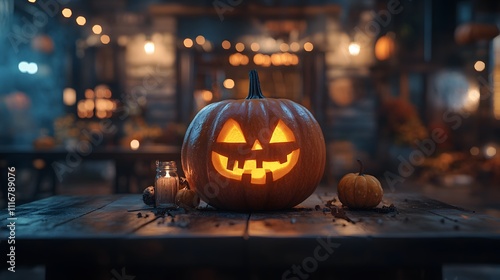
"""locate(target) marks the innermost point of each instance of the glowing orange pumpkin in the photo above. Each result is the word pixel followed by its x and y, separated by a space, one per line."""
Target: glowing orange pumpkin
pixel 254 154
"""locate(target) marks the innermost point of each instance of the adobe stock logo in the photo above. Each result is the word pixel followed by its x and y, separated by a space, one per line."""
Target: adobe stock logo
pixel 23 34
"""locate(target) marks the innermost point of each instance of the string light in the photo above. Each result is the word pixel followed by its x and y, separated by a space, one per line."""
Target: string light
pixel 255 47
pixel 200 40
pixel 239 47
pixel 284 47
pixel 226 44
pixel 105 39
pixel 97 29
pixel 228 83
pixel 81 20
pixel 294 47
pixel 479 66
pixel 308 46
pixel 188 43
pixel 66 12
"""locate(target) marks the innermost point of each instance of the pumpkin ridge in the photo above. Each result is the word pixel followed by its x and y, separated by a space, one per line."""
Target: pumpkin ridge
pixel 365 192
pixel 376 182
pixel 352 191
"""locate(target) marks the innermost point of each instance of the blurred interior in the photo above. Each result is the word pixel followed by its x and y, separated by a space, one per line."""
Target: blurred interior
pixel 84 81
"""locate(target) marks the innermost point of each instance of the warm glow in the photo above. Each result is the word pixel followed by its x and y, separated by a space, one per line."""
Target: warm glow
pixel 81 106
pixel 100 104
pixel 266 60
pixel 234 60
pixel 294 47
pixel 490 151
pixel 89 93
pixel 149 47
pixel 97 29
pixel 134 144
pixel 244 60
pixel 472 100
pixel 384 47
pixel 207 95
pixel 255 47
pixel 69 96
pixel 228 83
pixel 66 12
pixel 479 66
pixel 105 39
pixel 88 104
pixel 226 44
pixel 257 146
pixel 188 43
pixel 231 133
pixel 354 49
pixel 239 47
pixel 284 47
pixel 282 133
pixel 258 59
pixel 308 46
pixel 32 1
pixel 276 59
pixel 81 20
pixel 200 40
pixel 474 95
pixel 258 175
pixel 101 114
pixel 474 151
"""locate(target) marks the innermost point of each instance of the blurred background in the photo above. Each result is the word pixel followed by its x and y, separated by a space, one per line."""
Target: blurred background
pixel 92 92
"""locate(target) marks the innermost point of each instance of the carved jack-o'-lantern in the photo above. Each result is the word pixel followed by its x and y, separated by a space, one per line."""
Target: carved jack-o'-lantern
pixel 254 154
pixel 262 162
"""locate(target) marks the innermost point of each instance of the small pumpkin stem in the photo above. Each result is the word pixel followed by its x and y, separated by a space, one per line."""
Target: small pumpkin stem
pixel 361 168
pixel 254 92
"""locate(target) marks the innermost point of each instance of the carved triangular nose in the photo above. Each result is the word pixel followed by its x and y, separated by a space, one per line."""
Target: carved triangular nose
pixel 256 146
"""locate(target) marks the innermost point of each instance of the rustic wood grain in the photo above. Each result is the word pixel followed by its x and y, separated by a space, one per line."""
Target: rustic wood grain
pixel 98 230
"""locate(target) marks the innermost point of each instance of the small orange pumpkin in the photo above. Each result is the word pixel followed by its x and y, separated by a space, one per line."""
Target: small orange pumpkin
pixel 359 190
pixel 187 198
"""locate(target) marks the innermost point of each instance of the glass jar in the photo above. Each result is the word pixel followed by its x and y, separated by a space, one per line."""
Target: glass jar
pixel 166 184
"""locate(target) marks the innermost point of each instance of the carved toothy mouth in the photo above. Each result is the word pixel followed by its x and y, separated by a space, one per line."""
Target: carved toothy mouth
pixel 257 172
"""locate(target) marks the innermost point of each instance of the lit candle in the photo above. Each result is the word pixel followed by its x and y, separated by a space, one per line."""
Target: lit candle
pixel 166 184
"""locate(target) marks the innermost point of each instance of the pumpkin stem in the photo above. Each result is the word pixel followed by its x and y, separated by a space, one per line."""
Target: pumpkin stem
pixel 361 168
pixel 254 92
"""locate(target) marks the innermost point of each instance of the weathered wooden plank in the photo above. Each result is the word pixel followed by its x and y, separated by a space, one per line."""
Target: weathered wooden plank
pixel 49 202
pixel 419 216
pixel 198 223
pixel 306 219
pixel 112 220
pixel 37 222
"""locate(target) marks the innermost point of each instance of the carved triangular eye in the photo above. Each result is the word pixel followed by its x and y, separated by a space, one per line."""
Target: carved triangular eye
pixel 282 134
pixel 231 133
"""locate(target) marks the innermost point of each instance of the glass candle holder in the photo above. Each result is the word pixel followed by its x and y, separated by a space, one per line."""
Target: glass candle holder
pixel 166 184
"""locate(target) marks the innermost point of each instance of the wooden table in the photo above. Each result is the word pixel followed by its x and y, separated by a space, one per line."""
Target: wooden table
pixel 58 163
pixel 96 237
